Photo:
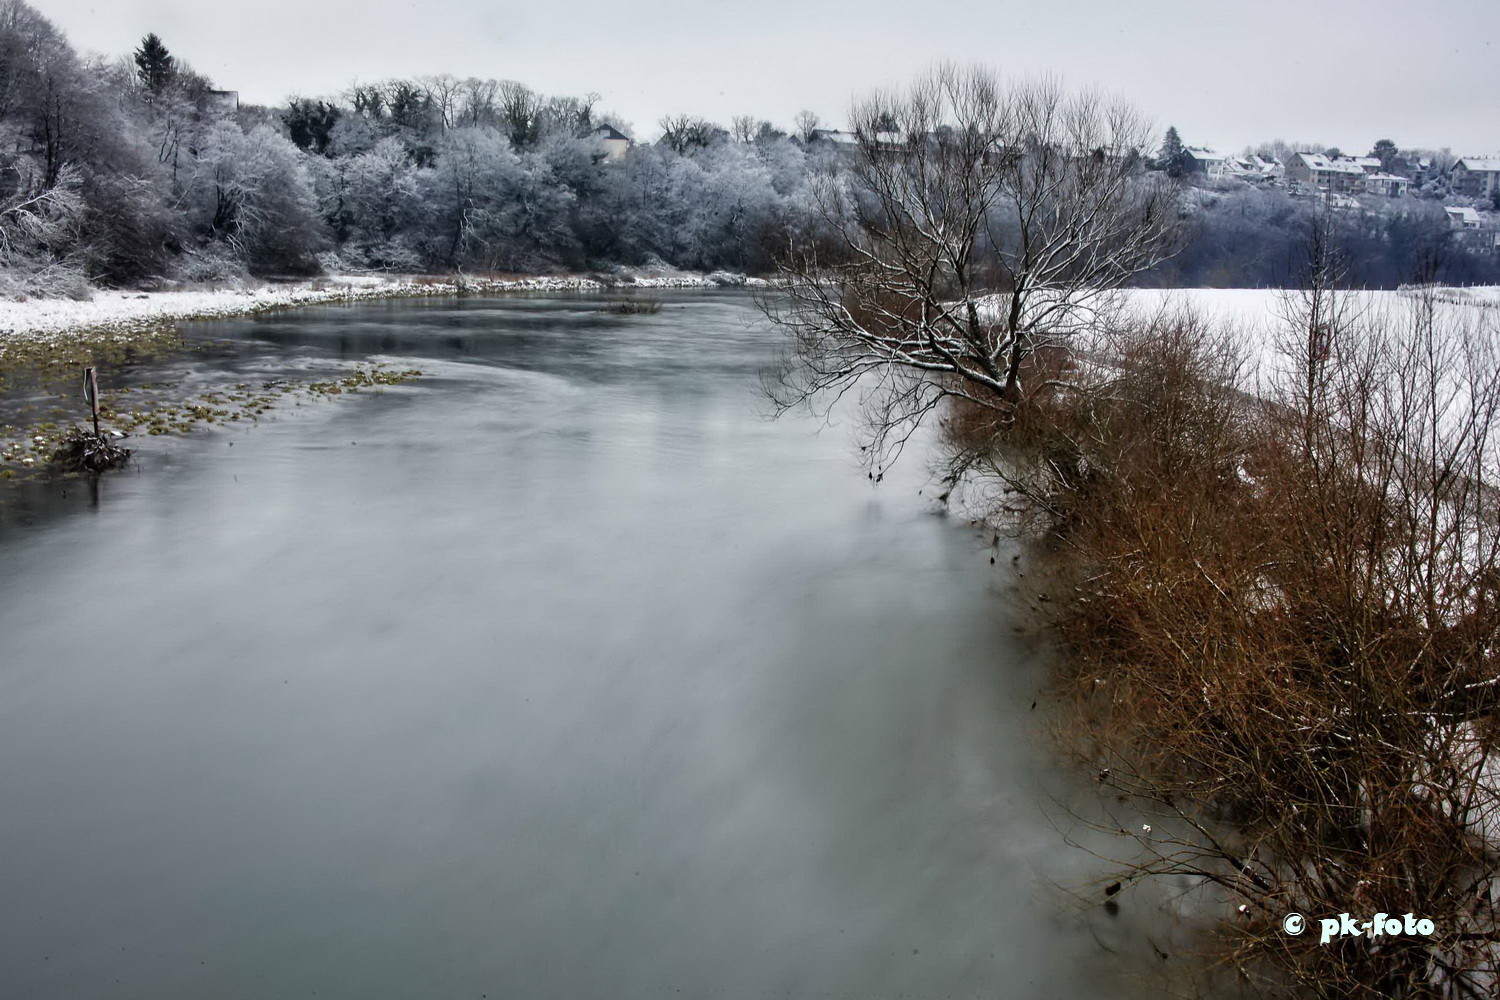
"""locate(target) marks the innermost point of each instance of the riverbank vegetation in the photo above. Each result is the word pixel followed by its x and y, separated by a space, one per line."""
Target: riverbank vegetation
pixel 1274 567
pixel 1278 600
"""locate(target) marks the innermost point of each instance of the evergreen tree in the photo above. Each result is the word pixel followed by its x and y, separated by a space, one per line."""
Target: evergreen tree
pixel 154 65
pixel 1385 151
pixel 310 123
pixel 1172 157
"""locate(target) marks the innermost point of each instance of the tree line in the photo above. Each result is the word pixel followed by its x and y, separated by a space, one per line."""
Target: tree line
pixel 135 171
pixel 121 172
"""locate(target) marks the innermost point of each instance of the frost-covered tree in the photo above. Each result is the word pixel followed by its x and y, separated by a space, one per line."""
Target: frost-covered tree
pixel 372 203
pixel 79 186
pixel 253 193
pixel 488 207
pixel 38 243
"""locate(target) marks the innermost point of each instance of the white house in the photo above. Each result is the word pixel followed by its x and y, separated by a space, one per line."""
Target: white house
pixel 1387 184
pixel 614 142
pixel 1463 218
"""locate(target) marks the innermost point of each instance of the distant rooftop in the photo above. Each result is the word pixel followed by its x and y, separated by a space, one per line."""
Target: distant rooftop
pixel 1317 161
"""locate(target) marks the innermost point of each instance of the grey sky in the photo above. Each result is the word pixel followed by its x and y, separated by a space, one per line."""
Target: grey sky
pixel 1346 72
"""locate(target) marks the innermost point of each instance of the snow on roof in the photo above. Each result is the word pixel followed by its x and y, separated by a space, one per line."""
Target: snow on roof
pixel 1465 215
pixel 1386 177
pixel 886 140
pixel 1317 161
pixel 835 135
pixel 1202 153
pixel 1485 164
pixel 1368 162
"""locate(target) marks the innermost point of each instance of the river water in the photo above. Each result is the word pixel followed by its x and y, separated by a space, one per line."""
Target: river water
pixel 559 672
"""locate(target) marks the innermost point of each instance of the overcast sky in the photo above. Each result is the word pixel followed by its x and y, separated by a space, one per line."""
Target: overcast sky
pixel 1226 74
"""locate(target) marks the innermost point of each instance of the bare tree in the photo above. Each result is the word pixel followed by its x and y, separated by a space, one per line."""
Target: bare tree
pixel 445 91
pixel 685 132
pixel 993 220
pixel 478 102
pixel 521 112
pixel 806 123
pixel 744 128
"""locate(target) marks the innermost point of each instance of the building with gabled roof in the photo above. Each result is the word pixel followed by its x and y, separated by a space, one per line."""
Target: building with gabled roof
pixel 1463 217
pixel 1389 185
pixel 1202 160
pixel 1317 170
pixel 615 143
pixel 1477 176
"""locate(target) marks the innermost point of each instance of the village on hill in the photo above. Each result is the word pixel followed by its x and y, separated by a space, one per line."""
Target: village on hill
pixel 1468 187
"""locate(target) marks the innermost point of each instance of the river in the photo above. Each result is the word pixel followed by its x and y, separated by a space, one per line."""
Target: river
pixel 561 672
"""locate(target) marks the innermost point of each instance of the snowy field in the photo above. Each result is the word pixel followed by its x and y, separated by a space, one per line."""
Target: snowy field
pixel 121 312
pixel 1257 313
pixel 1251 306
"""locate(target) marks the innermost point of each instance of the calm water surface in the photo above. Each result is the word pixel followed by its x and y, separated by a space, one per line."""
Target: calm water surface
pixel 561 672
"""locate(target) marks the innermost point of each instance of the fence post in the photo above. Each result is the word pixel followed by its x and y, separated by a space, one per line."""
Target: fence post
pixel 91 395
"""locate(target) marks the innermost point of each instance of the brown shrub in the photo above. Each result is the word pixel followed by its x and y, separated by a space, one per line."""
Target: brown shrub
pixel 1282 624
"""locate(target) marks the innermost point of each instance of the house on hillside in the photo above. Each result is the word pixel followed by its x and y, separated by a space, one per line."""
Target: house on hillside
pixel 1267 167
pixel 1317 170
pixel 1200 160
pixel 1369 164
pixel 1389 185
pixel 1209 163
pixel 849 141
pixel 1241 167
pixel 833 136
pixel 1417 169
pixel 614 143
pixel 1477 176
pixel 1463 218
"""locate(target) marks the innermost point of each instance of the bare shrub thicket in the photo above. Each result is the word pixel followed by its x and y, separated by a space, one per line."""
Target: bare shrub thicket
pixel 1283 604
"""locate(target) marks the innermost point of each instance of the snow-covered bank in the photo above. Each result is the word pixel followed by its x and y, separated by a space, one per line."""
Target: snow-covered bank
pixel 1257 311
pixel 121 312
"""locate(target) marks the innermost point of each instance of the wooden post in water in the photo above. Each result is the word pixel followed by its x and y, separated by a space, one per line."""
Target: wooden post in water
pixel 91 395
